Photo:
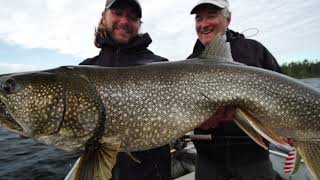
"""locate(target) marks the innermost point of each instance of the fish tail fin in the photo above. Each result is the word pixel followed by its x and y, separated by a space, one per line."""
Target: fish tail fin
pixel 310 153
pixel 97 162
pixel 219 49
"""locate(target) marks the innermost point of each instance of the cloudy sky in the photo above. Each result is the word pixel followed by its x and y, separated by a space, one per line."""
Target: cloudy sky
pixel 38 34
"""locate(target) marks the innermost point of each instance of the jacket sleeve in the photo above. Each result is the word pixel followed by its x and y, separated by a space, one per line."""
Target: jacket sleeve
pixel 150 57
pixel 269 61
pixel 265 58
pixel 89 61
pixel 253 53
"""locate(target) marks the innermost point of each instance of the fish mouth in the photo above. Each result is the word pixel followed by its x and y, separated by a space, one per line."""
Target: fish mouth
pixel 8 122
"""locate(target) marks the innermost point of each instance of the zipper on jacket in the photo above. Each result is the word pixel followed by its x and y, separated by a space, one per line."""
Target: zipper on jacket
pixel 117 55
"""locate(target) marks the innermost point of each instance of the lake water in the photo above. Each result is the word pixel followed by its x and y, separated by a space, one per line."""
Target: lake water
pixel 24 159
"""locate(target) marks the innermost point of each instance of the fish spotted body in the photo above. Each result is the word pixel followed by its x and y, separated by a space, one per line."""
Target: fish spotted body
pixel 143 107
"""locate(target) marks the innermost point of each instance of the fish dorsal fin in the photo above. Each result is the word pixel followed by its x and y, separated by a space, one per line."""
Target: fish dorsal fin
pixel 218 49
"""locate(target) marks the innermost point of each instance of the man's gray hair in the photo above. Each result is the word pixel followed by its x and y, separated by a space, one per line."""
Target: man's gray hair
pixel 226 12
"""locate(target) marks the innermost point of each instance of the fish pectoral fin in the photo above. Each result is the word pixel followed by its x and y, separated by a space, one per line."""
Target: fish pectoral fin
pixel 310 153
pixel 242 122
pixel 246 119
pixel 292 162
pixel 133 158
pixel 97 162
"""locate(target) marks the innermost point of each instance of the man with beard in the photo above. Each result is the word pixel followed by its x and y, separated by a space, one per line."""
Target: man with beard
pixel 121 45
pixel 231 154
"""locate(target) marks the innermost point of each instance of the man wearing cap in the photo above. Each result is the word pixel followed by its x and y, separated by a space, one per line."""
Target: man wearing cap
pixel 121 45
pixel 231 154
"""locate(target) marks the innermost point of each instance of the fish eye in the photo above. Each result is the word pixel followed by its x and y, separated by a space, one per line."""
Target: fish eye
pixel 8 86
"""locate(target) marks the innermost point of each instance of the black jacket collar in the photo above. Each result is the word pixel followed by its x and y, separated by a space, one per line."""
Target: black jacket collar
pixel 141 42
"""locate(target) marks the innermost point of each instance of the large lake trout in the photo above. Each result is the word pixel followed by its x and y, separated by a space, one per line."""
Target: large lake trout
pixel 102 111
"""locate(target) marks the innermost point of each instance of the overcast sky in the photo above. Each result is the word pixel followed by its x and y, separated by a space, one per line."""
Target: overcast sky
pixel 38 34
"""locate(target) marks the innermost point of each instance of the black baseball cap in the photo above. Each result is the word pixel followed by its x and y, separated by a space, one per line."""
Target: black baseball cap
pixel 134 3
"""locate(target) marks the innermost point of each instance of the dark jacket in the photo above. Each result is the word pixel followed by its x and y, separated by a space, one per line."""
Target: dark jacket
pixel 132 54
pixel 252 53
pixel 155 163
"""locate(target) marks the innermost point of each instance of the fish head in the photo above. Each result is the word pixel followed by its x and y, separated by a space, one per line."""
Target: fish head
pixel 7 121
pixel 51 107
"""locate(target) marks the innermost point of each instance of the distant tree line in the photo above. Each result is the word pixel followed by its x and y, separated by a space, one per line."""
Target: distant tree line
pixel 302 69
